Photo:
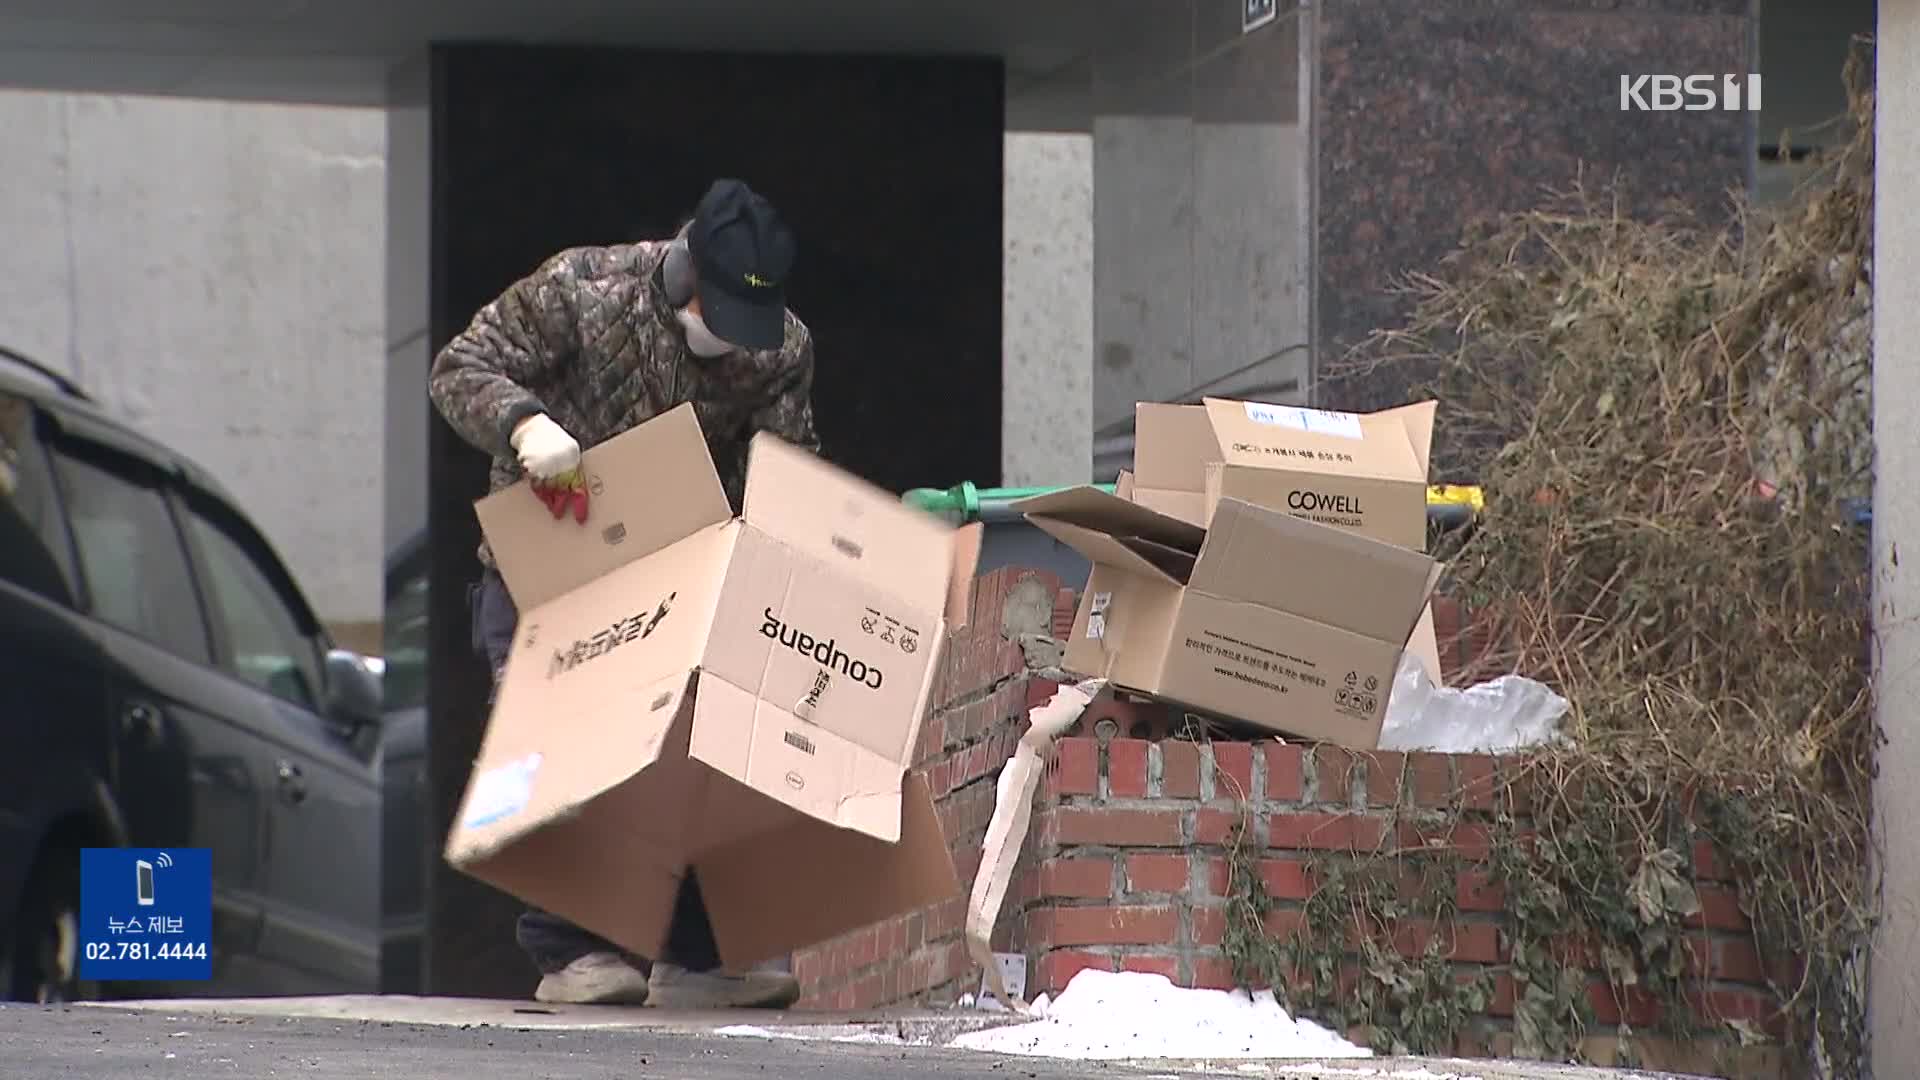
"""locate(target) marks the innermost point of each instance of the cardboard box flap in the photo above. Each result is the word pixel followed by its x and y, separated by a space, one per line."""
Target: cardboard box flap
pixel 1329 575
pixel 1115 551
pixel 1377 445
pixel 650 486
pixel 1123 484
pixel 1171 446
pixel 967 543
pixel 1090 508
pixel 787 759
pixel 848 523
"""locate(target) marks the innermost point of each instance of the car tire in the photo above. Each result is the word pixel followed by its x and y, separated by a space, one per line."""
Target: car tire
pixel 44 957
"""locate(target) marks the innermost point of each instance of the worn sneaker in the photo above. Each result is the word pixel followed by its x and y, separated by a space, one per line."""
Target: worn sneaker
pixel 674 987
pixel 601 978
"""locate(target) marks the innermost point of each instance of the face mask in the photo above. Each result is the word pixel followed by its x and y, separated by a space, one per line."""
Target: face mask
pixel 701 340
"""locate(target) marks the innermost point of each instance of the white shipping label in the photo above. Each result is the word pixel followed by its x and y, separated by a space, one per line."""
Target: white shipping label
pixel 1316 421
pixel 501 792
pixel 1097 616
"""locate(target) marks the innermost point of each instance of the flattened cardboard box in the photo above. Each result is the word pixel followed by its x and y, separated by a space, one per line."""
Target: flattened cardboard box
pixel 1362 472
pixel 1265 617
pixel 738 697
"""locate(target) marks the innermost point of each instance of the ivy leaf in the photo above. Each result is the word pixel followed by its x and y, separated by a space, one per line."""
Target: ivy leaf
pixel 1620 965
pixel 1658 891
pixel 1747 1033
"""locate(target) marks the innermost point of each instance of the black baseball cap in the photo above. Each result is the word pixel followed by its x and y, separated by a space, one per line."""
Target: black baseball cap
pixel 742 252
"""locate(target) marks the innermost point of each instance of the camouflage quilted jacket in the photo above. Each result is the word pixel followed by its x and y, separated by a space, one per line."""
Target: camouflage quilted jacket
pixel 590 339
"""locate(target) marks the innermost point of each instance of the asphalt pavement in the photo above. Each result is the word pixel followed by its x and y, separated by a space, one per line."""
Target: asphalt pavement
pixel 430 1039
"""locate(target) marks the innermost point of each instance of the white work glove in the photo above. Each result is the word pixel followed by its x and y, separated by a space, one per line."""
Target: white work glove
pixel 546 450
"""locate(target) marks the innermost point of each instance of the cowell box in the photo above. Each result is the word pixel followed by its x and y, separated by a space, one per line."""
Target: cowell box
pixel 1362 472
pixel 731 699
pixel 1263 616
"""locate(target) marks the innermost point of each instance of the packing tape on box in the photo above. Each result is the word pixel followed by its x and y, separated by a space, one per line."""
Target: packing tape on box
pixel 1012 814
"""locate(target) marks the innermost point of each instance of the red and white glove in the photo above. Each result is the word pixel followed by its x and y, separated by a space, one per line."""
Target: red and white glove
pixel 551 458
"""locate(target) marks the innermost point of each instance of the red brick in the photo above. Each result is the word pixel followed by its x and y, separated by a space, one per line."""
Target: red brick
pixel 1432 778
pixel 1323 832
pixel 1216 828
pixel 1720 909
pixel 1179 770
pixel 1707 864
pixel 1286 771
pixel 1333 767
pixel 1127 768
pixel 1501 1002
pixel 1058 968
pixel 863 950
pixel 1066 603
pixel 1076 879
pixel 1732 958
pixel 1073 825
pixel 1465 942
pixel 1633 1005
pixel 1104 925
pixel 1384 771
pixel 1152 965
pixel 1285 879
pixel 1075 769
pixel 1470 839
pixel 1040 691
pixel 1233 771
pixel 1157 874
pixel 1516 786
pixel 1217 876
pixel 1207 926
pixel 867 992
pixel 1757 1007
pixel 1474 890
pixel 1479 780
pixel 1213 973
pixel 1282 923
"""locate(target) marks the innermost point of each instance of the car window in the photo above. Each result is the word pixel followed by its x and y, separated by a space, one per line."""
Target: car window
pixel 131 559
pixel 264 643
pixel 35 553
pixel 404 643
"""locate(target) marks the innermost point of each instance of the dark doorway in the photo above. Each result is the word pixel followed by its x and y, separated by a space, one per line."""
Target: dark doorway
pixel 889 170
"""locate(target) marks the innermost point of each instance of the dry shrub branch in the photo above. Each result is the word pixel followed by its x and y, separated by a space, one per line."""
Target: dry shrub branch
pixel 1670 419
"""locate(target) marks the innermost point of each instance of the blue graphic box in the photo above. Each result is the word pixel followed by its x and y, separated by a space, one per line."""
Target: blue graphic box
pixel 146 914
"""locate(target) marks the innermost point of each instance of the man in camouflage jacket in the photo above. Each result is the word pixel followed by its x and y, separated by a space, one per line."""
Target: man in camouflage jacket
pixel 594 342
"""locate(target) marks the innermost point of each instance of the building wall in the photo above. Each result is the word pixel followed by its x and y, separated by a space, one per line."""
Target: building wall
pixel 213 273
pixel 1894 1000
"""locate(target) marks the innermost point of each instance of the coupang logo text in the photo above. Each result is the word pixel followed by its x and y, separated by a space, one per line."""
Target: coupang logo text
pixel 826 652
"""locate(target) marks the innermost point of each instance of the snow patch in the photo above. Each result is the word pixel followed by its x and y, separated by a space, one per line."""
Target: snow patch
pixel 1104 1015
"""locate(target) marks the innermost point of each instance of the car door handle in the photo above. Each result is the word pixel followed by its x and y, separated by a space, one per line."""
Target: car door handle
pixel 292 786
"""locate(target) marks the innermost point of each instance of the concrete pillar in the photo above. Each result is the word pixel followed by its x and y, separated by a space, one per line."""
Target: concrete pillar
pixel 1894 996
pixel 1201 214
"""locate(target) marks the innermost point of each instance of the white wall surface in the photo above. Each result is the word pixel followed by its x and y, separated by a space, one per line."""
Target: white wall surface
pixel 1047 316
pixel 213 273
pixel 1894 1001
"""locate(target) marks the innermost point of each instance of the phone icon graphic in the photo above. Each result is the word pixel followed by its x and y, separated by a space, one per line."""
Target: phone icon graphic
pixel 143 870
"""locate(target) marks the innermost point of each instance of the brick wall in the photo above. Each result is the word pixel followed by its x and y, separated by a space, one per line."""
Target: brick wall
pixel 1130 870
pixel 1126 866
pixel 980 703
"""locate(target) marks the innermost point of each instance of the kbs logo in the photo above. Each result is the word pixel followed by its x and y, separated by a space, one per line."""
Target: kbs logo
pixel 1691 93
pixel 826 653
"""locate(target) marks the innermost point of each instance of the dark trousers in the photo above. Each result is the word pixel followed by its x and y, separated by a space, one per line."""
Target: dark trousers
pixel 549 940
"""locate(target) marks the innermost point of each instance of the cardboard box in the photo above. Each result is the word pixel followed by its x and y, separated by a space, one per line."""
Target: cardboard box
pixel 1362 472
pixel 1265 617
pixel 739 698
